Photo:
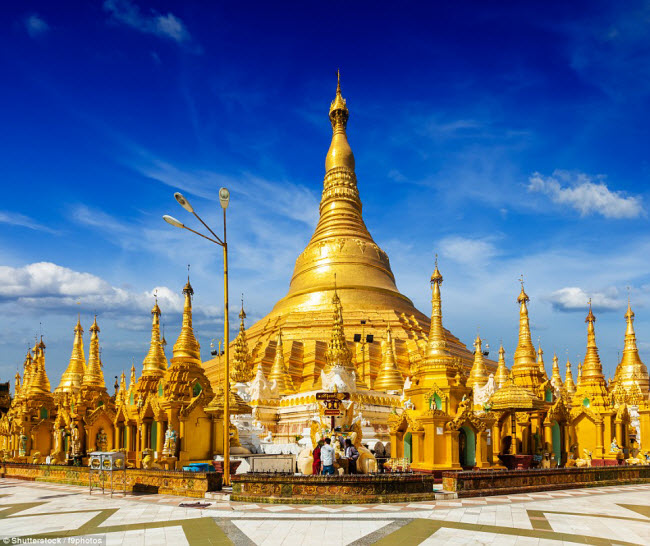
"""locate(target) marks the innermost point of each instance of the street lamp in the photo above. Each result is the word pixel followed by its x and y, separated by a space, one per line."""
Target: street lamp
pixel 224 199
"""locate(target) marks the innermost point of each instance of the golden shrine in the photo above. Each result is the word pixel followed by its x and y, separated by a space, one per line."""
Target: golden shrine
pixel 343 327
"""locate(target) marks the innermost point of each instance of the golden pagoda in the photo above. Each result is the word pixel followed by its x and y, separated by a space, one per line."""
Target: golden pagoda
pixel 389 378
pixel 341 247
pixel 591 390
pixel 502 373
pixel 478 375
pixel 73 375
pixel 525 370
pixel 631 370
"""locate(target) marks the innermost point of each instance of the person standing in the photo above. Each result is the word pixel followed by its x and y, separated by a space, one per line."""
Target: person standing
pixel 351 454
pixel 315 467
pixel 327 457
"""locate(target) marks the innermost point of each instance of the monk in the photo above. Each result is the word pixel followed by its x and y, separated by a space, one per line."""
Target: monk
pixel 315 467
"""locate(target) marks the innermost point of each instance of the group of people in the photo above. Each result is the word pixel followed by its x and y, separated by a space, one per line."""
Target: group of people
pixel 325 454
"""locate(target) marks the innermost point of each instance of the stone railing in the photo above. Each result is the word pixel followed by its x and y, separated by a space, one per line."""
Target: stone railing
pixel 167 482
pixel 504 482
pixel 348 489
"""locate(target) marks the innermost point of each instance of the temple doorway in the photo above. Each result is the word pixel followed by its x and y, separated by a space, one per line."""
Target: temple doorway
pixel 556 432
pixel 467 447
pixel 408 447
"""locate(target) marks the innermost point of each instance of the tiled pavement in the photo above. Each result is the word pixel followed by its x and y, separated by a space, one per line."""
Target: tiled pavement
pixel 605 515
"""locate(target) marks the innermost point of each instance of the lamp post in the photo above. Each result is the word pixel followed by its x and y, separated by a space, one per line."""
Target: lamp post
pixel 224 199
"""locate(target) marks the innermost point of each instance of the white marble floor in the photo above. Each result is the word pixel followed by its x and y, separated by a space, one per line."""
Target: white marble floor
pixel 617 515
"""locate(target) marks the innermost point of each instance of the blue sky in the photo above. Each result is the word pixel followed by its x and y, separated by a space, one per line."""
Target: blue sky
pixel 510 140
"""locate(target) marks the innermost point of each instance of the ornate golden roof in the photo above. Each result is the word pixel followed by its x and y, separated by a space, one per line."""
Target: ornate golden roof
pixel 187 348
pixel 241 369
pixel 94 377
pixel 73 375
pixel 279 372
pixel 525 369
pixel 389 378
pixel 155 363
pixel 631 369
pixel 514 398
pixel 502 373
pixel 478 375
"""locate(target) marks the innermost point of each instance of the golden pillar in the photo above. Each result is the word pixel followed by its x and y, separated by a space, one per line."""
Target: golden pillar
pixel 496 441
pixel 129 438
pixel 600 440
pixel 160 437
pixel 453 452
pixel 418 446
pixel 548 436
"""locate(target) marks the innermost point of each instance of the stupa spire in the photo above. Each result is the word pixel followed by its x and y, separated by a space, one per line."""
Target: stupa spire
pixel 155 363
pixel 543 377
pixel 569 385
pixel 39 384
pixel 389 377
pixel 73 375
pixel 631 364
pixel 93 377
pixel 187 348
pixel 592 387
pixel 341 242
pixel 279 372
pixel 525 369
pixel 478 375
pixel 502 373
pixel 556 378
pixel 437 342
pixel 241 369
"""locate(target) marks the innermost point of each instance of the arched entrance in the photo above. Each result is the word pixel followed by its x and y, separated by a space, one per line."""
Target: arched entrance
pixel 466 447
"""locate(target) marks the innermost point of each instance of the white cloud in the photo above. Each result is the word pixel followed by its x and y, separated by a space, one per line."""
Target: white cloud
pixel 166 26
pixel 573 298
pixel 586 194
pixel 48 286
pixel 468 251
pixel 17 219
pixel 36 26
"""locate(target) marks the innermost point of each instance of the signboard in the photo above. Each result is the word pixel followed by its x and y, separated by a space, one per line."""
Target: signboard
pixel 333 412
pixel 332 396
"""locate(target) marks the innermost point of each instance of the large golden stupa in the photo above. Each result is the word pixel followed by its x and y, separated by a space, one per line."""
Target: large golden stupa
pixel 341 254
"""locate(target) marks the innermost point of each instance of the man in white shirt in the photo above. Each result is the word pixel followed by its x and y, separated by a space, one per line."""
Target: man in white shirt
pixel 327 457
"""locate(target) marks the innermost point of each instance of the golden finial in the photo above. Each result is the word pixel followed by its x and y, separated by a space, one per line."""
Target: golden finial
pixel 523 297
pixel 436 276
pixel 242 313
pixel 340 154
